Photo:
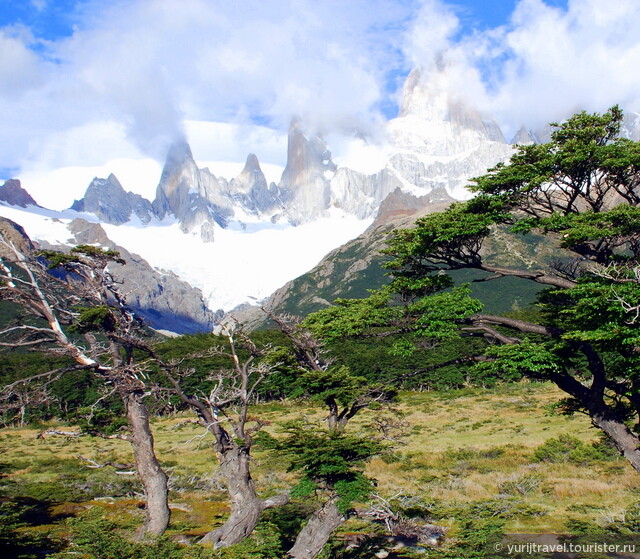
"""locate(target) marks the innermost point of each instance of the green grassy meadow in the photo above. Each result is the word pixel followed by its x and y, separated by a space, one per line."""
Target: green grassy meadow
pixel 459 449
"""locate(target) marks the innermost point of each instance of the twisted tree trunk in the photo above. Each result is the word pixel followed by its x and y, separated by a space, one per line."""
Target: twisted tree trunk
pixel 151 474
pixel 246 507
pixel 316 533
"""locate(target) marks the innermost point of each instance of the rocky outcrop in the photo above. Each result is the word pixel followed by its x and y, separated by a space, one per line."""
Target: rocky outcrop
pixel 110 203
pixel 522 137
pixel 439 139
pixel 13 233
pixel 13 194
pixel 400 206
pixel 305 182
pixel 161 298
pixel 631 126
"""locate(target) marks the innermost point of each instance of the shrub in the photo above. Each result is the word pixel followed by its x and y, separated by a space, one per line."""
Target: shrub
pixel 567 448
pixel 522 485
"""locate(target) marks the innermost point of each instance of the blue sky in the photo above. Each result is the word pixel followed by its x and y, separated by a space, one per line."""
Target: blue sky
pixel 54 19
pixel 47 19
pixel 82 81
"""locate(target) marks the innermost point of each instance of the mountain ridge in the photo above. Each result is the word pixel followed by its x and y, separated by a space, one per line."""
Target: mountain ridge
pixel 436 144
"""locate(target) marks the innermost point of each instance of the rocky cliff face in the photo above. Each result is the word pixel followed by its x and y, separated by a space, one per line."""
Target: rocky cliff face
pixel 305 182
pixel 194 196
pixel 14 233
pixel 250 190
pixel 13 194
pixel 107 199
pixel 440 140
pixel 162 299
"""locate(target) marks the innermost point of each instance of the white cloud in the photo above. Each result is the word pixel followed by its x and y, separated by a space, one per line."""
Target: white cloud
pixel 546 63
pixel 148 65
pixel 21 69
pixel 132 73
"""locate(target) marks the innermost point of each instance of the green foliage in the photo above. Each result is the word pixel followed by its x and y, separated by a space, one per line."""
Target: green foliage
pixel 17 542
pixel 75 389
pixel 438 316
pixel 57 259
pixel 352 317
pixel 92 536
pixel 631 524
pixel 478 526
pixel 584 161
pixel 587 329
pixel 335 384
pixel 602 236
pixel 522 485
pixel 451 238
pixel 404 361
pixel 97 252
pixel 264 543
pixel 107 418
pixel 66 480
pixel 593 312
pixel 566 448
pixel 91 319
pixel 329 460
pixel 511 362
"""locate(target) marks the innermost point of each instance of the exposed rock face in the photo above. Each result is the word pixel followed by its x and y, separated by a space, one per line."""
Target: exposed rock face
pixel 14 233
pixel 440 140
pixel 107 199
pixel 305 182
pixel 13 194
pixel 194 196
pixel 162 299
pixel 251 191
pixel 522 137
pixel 399 206
pixel 631 126
pixel 440 143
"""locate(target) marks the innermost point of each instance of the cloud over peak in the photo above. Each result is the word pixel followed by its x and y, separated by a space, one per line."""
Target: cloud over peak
pixel 149 65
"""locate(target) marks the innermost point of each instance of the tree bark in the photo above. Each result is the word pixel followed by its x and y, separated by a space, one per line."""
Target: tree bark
pixel 316 533
pixel 246 506
pixel 151 474
pixel 624 439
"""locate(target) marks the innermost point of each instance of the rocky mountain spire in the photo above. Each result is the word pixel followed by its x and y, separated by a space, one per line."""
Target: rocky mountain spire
pixel 440 139
pixel 194 196
pixel 522 137
pixel 305 179
pixel 251 190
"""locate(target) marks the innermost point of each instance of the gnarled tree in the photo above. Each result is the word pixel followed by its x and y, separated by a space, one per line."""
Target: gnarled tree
pixel 581 192
pixel 224 412
pixel 83 303
pixel 330 459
